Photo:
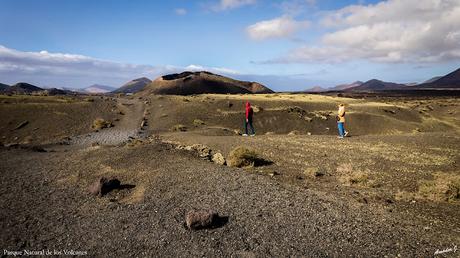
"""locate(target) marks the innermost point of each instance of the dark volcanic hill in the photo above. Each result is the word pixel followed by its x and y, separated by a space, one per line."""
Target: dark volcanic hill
pixel 3 87
pixel 133 86
pixel 187 83
pixel 432 79
pixel 346 86
pixel 377 85
pixel 22 87
pixel 55 91
pixel 452 80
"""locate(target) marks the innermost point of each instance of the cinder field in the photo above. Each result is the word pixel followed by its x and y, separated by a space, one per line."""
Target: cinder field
pixel 390 189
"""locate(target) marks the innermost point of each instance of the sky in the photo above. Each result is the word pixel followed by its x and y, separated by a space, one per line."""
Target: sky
pixel 287 45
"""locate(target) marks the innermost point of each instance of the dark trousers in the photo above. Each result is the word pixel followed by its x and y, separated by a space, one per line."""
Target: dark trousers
pixel 246 123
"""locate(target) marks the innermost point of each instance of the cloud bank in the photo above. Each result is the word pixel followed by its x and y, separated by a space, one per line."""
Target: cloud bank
pixel 393 31
pixel 70 70
pixel 281 27
pixel 232 4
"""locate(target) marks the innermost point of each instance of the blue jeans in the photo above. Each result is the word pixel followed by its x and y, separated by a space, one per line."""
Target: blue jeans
pixel 341 127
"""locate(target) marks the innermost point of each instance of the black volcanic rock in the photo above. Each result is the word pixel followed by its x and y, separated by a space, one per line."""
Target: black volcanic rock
pixel 451 80
pixel 188 83
pixel 377 85
pixel 133 86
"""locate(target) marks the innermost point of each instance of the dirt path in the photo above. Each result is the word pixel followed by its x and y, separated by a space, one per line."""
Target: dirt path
pixel 128 127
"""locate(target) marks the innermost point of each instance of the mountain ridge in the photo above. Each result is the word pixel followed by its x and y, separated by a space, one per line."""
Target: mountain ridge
pixel 133 86
pixel 202 82
pixel 450 80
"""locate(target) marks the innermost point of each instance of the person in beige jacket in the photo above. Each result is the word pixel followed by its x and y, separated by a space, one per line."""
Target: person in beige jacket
pixel 341 121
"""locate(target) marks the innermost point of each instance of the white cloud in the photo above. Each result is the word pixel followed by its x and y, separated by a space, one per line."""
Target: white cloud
pixel 389 31
pixel 223 70
pixel 180 11
pixel 232 4
pixel 281 27
pixel 70 70
pixel 296 7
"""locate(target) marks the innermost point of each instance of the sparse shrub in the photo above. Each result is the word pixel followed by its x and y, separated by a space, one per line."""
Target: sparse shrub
pixel 350 176
pixel 198 122
pixel 135 142
pixel 308 119
pixel 358 178
pixel 314 172
pixel 237 132
pixel 88 99
pixel 257 109
pixel 444 188
pixel 322 116
pixel 296 110
pixel 244 157
pixel 101 124
pixel 179 128
pixel 294 132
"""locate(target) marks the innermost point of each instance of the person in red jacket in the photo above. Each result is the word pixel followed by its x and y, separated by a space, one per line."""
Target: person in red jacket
pixel 248 121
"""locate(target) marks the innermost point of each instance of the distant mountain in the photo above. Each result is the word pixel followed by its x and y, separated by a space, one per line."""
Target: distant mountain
pixel 316 89
pixel 377 85
pixel 188 83
pixel 451 80
pixel 97 89
pixel 23 88
pixel 133 86
pixel 346 86
pixel 432 79
pixel 3 87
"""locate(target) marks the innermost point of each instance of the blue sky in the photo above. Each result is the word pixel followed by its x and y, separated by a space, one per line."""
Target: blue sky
pixel 288 45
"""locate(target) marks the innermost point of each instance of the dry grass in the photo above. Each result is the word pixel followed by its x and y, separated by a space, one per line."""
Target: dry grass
pixel 242 157
pixel 101 124
pixel 294 132
pixel 313 172
pixel 285 97
pixel 198 122
pixel 351 176
pixel 179 128
pixel 444 187
pixel 137 195
pixel 357 178
pixel 135 142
